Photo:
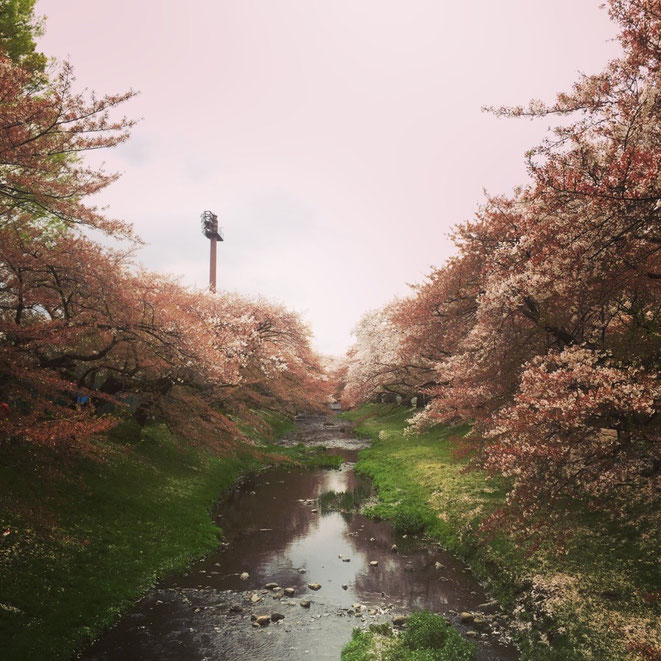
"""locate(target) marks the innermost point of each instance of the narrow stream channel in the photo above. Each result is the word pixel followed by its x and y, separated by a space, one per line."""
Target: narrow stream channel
pixel 276 533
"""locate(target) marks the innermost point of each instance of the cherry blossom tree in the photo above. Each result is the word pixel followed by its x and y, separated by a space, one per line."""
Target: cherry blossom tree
pixel 544 328
pixel 80 323
pixel 378 361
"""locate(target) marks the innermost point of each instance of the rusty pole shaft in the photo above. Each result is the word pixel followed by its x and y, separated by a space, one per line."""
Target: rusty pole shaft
pixel 212 264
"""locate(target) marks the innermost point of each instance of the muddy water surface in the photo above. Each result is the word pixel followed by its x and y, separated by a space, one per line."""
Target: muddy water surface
pixel 276 533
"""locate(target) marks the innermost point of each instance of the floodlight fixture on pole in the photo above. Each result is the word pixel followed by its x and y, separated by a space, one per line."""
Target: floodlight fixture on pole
pixel 214 233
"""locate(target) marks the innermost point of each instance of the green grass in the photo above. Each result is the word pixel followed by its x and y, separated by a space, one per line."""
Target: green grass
pixel 343 501
pixel 278 425
pixel 312 457
pixel 599 600
pixel 427 637
pixel 262 426
pixel 85 538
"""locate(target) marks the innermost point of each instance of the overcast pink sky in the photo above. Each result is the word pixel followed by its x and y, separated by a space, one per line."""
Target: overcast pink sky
pixel 338 140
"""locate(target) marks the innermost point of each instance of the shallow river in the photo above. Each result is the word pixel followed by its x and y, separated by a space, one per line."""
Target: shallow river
pixel 275 532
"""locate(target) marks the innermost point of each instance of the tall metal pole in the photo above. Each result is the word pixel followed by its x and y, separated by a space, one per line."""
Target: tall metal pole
pixel 214 233
pixel 212 264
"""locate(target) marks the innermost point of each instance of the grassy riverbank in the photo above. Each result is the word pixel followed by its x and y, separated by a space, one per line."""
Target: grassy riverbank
pixel 597 601
pixel 427 637
pixel 83 538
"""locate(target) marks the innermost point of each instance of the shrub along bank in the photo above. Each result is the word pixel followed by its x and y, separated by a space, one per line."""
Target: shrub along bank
pixel 592 593
pixel 83 538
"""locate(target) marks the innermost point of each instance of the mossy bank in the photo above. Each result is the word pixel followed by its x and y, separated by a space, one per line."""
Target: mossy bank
pixel 595 596
pixel 83 538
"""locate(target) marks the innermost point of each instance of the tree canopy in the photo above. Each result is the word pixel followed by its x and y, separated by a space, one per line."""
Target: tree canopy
pixel 19 28
pixel 544 328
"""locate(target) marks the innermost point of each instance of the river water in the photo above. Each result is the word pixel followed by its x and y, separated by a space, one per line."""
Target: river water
pixel 275 532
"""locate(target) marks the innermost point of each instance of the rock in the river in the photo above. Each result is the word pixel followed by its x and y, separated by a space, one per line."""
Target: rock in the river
pixel 277 616
pixel 374 563
pixel 313 511
pixel 372 539
pixel 480 623
pixel 244 576
pixel 488 606
pixel 438 565
pixel 466 617
pixel 235 608
pixel 399 620
pixel 290 591
pixel 305 603
pixel 345 587
pixel 393 548
pixel 346 559
pixel 302 570
pixel 255 598
pixel 271 586
pixel 314 586
pixel 263 620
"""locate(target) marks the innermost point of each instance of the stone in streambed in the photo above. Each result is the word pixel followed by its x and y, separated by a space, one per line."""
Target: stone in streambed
pixel 480 623
pixel 244 576
pixel 314 586
pixel 399 620
pixel 271 586
pixel 235 608
pixel 466 618
pixel 488 606
pixel 277 616
pixel 290 591
pixel 263 620
pixel 305 603
pixel 255 598
pixel 374 563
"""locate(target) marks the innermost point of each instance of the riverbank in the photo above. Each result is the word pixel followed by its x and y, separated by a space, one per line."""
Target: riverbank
pixel 83 538
pixel 291 579
pixel 599 600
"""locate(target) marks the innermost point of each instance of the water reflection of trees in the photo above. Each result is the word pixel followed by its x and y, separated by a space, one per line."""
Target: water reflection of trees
pixel 420 588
